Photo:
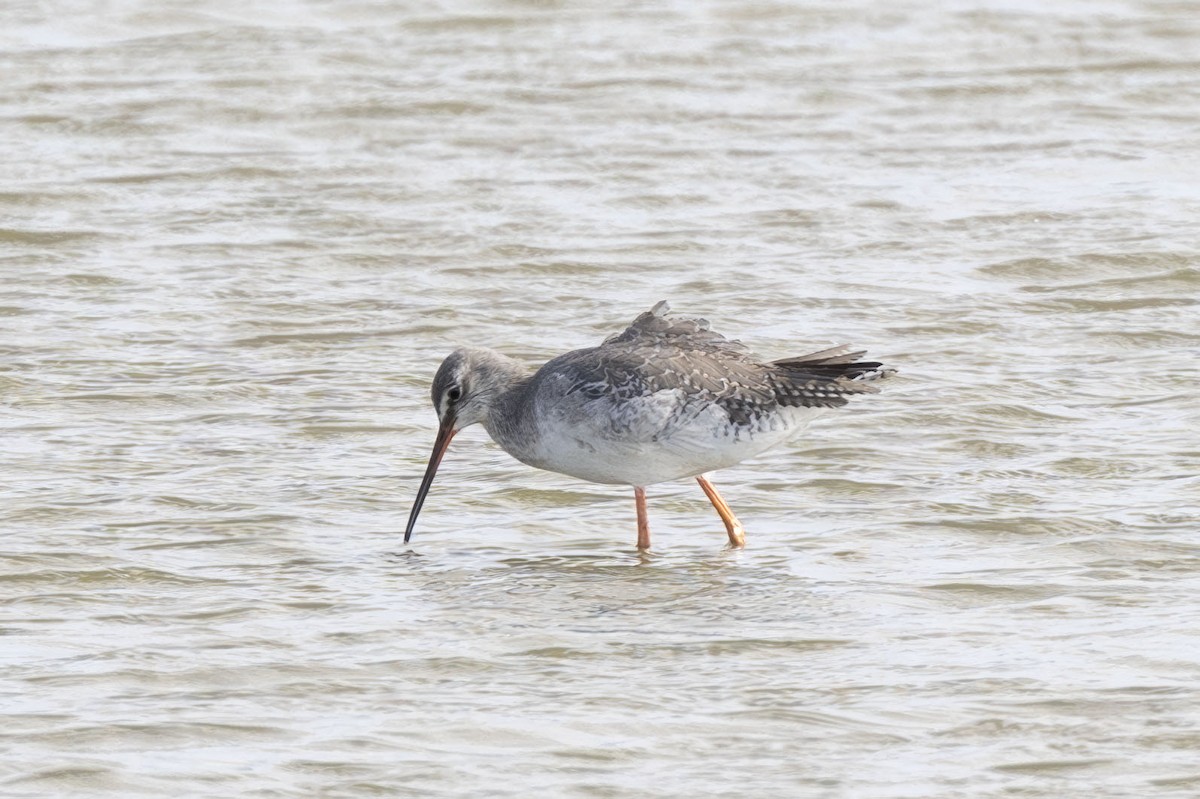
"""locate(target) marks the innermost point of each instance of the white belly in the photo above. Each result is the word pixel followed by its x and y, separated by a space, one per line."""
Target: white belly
pixel 644 450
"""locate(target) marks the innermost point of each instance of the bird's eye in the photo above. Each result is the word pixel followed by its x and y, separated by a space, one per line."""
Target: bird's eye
pixel 454 394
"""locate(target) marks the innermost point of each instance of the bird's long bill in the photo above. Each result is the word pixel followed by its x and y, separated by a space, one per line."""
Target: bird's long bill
pixel 445 433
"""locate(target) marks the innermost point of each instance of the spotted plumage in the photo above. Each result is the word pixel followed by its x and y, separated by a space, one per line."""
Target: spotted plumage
pixel 666 398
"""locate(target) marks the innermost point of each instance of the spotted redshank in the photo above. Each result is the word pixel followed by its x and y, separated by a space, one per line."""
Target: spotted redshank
pixel 666 399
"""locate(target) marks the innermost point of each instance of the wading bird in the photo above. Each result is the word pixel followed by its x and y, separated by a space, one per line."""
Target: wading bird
pixel 667 398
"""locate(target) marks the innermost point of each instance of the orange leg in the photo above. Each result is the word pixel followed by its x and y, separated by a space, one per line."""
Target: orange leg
pixel 737 533
pixel 639 497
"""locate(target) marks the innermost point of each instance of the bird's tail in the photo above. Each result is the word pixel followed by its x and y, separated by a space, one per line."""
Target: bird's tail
pixel 839 364
pixel 826 378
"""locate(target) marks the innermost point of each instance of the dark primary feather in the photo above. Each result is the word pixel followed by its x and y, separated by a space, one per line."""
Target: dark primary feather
pixel 835 365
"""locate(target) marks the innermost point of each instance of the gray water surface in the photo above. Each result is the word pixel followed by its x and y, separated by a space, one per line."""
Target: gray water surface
pixel 236 239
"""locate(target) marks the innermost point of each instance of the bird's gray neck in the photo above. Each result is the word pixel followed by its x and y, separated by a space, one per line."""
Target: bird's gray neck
pixel 509 420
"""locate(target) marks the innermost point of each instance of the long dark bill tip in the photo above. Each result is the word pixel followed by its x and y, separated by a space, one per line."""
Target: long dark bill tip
pixel 445 433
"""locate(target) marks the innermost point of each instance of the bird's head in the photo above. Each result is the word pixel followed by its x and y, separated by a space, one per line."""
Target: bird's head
pixel 465 389
pixel 466 385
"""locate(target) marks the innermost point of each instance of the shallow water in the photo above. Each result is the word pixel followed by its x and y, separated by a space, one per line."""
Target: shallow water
pixel 237 241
